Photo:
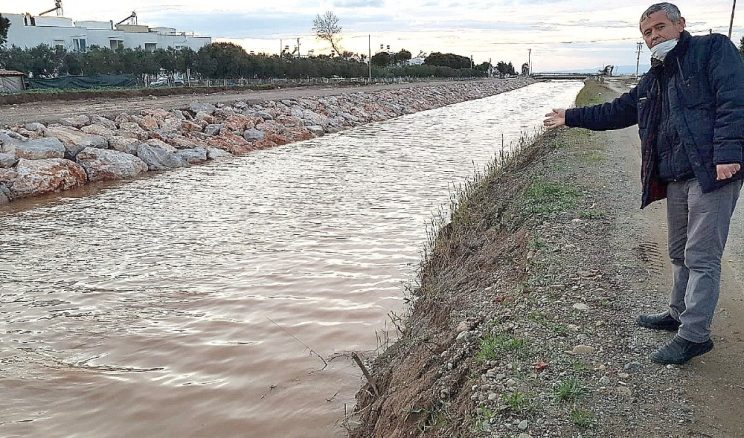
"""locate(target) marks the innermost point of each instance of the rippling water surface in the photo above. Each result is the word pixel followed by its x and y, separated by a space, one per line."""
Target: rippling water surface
pixel 181 304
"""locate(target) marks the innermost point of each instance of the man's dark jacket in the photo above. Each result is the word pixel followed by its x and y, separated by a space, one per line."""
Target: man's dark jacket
pixel 706 102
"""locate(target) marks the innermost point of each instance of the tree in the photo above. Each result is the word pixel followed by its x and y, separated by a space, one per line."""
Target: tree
pixel 381 59
pixel 505 69
pixel 4 26
pixel 448 60
pixel 402 56
pixel 741 46
pixel 326 28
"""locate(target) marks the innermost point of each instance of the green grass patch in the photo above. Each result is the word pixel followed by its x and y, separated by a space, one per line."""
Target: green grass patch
pixel 542 319
pixel 593 93
pixel 569 390
pixel 518 402
pixel 545 197
pixel 579 366
pixel 493 347
pixel 593 157
pixel 582 418
pixel 592 214
pixel 483 417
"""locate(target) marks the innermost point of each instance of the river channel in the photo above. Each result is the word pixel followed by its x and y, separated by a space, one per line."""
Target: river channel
pixel 196 302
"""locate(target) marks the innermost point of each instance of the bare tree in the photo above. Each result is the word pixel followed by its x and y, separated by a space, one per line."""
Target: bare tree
pixel 326 28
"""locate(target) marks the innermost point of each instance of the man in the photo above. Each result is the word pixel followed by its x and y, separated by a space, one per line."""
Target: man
pixel 690 112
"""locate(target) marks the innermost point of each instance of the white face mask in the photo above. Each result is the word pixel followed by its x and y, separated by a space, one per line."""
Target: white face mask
pixel 661 50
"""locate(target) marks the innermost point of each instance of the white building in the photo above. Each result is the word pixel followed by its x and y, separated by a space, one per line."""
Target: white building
pixel 27 31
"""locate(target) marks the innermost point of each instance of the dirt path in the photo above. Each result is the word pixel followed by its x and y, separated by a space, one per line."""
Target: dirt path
pixel 717 379
pixel 47 112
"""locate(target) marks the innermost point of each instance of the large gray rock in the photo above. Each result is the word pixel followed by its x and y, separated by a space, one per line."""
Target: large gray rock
pixel 217 154
pixel 159 158
pixel 264 115
pixel 133 130
pixel 35 127
pixel 171 124
pixel 103 121
pixel 106 164
pixel 316 130
pixel 124 144
pixel 75 140
pixel 7 160
pixel 38 177
pixel 198 107
pixel 96 129
pixel 193 156
pixel 75 121
pixel 40 149
pixel 253 134
pixel 5 196
pixel 213 129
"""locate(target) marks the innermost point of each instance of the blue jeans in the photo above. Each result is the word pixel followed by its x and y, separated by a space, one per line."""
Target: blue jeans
pixel 698 229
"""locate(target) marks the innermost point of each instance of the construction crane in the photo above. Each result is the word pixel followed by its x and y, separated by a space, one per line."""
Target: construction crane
pixel 132 16
pixel 57 7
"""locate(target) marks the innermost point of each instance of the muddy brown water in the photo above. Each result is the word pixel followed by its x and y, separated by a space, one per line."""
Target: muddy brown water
pixel 186 303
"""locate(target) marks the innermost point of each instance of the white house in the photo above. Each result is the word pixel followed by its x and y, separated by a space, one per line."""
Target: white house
pixel 27 31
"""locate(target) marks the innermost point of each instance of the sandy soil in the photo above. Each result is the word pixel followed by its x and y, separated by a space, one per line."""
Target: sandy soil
pixel 523 321
pixel 48 112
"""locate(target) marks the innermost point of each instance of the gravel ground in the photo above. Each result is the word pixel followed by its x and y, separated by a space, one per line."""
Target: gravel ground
pixel 522 323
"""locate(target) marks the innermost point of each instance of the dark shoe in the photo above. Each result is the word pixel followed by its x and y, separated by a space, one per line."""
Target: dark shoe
pixel 659 321
pixel 679 350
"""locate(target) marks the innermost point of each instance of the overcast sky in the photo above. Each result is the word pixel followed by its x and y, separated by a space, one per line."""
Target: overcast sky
pixel 563 34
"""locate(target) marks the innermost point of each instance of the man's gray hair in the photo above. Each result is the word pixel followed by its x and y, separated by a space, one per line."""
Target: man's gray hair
pixel 671 10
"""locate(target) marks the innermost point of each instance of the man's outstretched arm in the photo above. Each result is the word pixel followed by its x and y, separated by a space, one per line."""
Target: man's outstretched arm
pixel 620 113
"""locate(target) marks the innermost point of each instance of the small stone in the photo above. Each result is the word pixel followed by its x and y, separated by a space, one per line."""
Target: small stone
pixel 624 391
pixel 524 435
pixel 623 375
pixel 462 335
pixel 604 380
pixel 580 306
pixel 492 396
pixel 523 425
pixel 511 383
pixel 463 326
pixel 632 366
pixel 583 349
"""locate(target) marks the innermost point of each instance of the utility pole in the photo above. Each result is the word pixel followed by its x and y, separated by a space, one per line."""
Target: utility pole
pixel 369 56
pixel 529 61
pixel 638 59
pixel 281 47
pixel 731 25
pixel 298 48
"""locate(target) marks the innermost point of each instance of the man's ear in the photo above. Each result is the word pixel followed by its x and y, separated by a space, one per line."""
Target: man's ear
pixel 681 25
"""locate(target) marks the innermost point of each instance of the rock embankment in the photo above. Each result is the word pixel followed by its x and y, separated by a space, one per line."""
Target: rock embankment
pixel 37 159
